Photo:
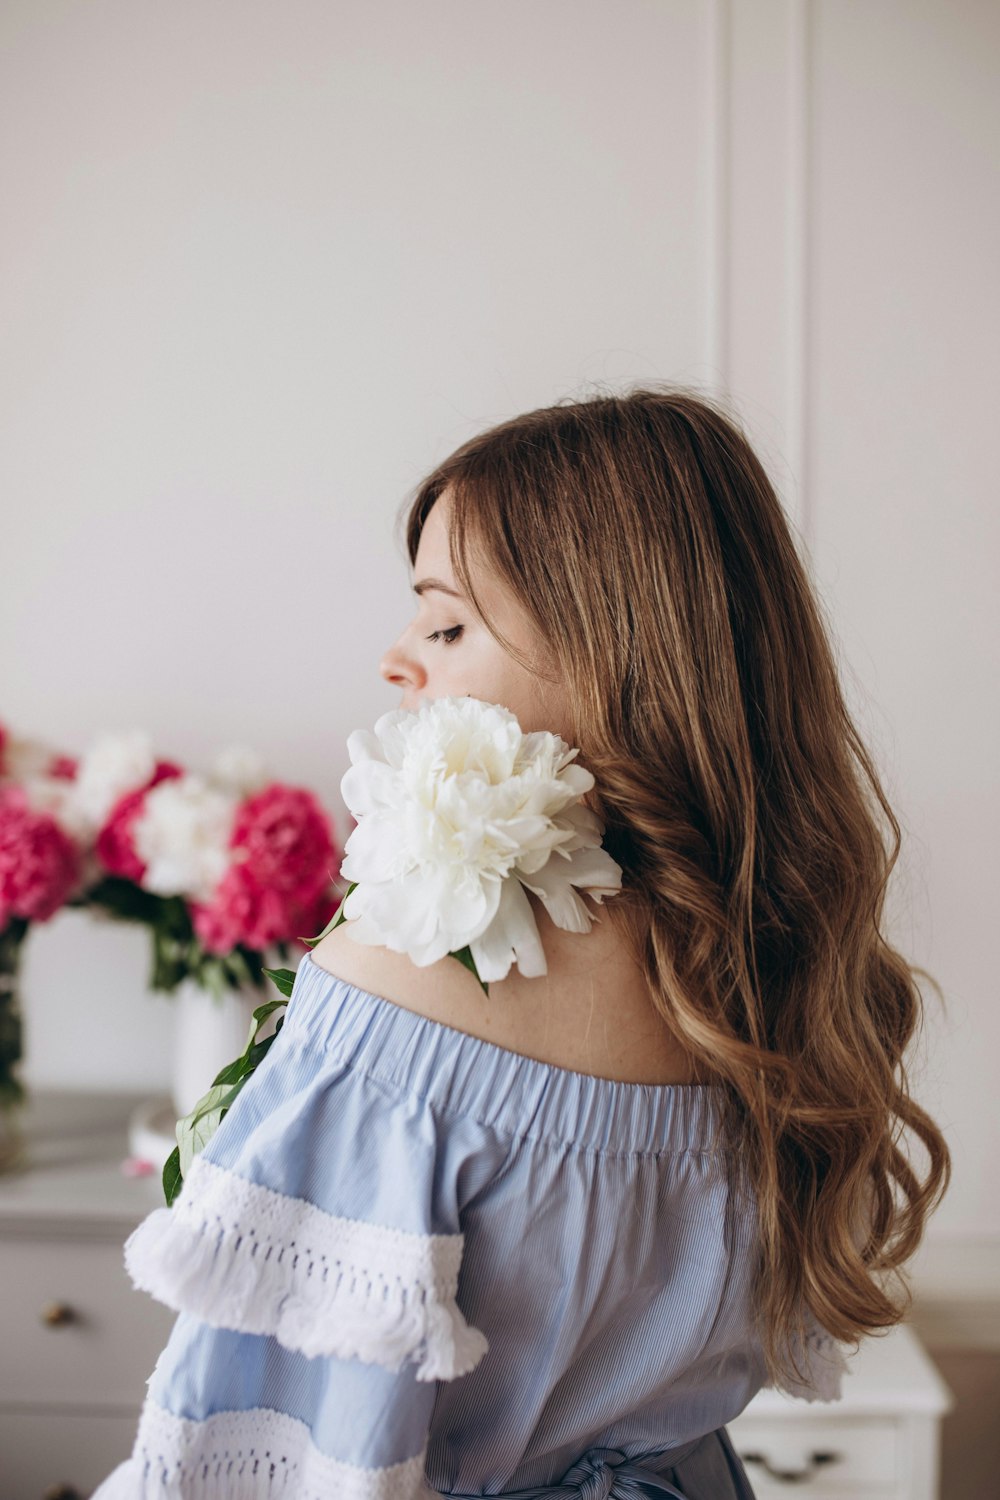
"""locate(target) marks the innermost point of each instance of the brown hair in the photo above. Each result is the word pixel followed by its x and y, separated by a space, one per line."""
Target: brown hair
pixel 641 535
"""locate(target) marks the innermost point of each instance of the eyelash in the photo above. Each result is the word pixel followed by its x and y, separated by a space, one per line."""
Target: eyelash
pixel 450 636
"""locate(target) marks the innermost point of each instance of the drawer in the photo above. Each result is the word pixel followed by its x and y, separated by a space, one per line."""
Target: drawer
pixel 41 1451
pixel 781 1455
pixel 103 1350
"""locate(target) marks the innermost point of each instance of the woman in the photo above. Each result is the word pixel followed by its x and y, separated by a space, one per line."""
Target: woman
pixel 549 1241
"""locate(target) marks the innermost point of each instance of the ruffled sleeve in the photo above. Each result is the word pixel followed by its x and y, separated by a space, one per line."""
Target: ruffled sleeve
pixel 313 1256
pixel 823 1362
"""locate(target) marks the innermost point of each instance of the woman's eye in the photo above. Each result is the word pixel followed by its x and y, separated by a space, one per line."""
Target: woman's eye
pixel 448 635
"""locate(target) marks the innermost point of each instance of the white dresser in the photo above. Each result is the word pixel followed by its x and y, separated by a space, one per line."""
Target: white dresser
pixel 77 1343
pixel 881 1441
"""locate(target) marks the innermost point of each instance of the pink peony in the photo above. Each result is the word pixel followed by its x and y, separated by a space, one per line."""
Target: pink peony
pixel 115 844
pixel 244 912
pixel 284 840
pixel 39 863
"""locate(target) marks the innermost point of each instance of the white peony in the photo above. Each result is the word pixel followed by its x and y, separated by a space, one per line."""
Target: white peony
pixel 240 770
pixel 458 813
pixel 114 764
pixel 55 795
pixel 27 762
pixel 182 835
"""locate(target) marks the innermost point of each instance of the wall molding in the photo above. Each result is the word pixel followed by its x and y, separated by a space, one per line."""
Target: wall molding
pixel 758 165
pixel 716 175
pixel 797 254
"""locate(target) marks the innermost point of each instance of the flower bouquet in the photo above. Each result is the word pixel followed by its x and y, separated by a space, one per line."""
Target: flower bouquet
pixel 46 863
pixel 458 814
pixel 219 867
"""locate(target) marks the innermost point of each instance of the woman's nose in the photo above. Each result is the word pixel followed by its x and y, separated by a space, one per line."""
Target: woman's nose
pixel 399 669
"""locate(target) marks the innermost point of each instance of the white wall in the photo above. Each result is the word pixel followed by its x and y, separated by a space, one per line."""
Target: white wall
pixel 264 265
pixel 903 375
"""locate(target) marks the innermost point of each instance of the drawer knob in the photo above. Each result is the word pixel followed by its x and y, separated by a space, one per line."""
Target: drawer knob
pixel 57 1315
pixel 792 1476
pixel 62 1492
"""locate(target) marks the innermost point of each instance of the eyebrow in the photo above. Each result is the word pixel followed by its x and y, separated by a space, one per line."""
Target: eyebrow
pixel 434 583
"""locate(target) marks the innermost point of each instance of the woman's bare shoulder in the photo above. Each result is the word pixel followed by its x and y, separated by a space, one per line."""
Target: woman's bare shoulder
pixel 439 991
pixel 590 1013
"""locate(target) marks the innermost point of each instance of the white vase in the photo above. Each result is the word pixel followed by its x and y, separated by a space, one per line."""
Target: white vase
pixel 208 1034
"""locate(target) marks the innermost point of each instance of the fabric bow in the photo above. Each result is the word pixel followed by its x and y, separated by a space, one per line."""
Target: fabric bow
pixel 606 1474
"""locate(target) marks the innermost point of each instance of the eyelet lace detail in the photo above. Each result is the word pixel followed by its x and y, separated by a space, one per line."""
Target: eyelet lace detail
pixel 247 1455
pixel 243 1257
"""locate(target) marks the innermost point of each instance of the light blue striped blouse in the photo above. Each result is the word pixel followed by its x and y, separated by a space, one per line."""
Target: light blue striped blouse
pixel 411 1263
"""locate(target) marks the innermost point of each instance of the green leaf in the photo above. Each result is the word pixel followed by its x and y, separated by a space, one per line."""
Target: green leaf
pixel 246 1062
pixel 212 977
pixel 464 956
pixel 254 1051
pixel 213 1099
pixel 225 1103
pixel 334 921
pixel 172 1178
pixel 12 1093
pixel 262 1012
pixel 232 1072
pixel 197 1129
pixel 125 900
pixel 253 963
pixel 284 979
pixel 176 951
pixel 237 967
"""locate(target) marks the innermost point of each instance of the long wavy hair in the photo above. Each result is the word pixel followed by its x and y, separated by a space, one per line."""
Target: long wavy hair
pixel 641 536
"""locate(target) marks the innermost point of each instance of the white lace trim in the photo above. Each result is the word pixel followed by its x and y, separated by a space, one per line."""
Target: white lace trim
pixel 243 1257
pixel 247 1455
pixel 824 1361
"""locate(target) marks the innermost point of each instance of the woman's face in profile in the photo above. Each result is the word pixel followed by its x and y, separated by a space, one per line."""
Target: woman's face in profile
pixel 447 651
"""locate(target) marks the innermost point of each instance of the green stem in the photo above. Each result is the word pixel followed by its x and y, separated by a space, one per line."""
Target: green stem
pixel 11 1034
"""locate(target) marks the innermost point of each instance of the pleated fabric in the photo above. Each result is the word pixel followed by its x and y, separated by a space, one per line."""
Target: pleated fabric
pixel 411 1263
